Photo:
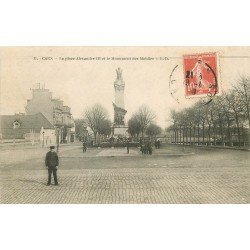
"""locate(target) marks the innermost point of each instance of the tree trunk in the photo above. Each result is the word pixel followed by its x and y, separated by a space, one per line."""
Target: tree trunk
pixel 183 135
pixel 177 135
pixel 203 133
pixel 247 104
pixel 214 132
pixel 238 129
pixel 186 135
pixel 190 135
pixel 95 133
pixel 198 130
pixel 137 136
pixel 229 134
pixel 243 135
pixel 180 135
pixel 209 134
pixel 221 134
pixel 194 134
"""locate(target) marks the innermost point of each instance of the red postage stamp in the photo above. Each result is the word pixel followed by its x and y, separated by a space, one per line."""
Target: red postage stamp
pixel 201 74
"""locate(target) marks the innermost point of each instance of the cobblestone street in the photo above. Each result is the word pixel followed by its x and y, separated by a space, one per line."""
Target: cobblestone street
pixel 105 176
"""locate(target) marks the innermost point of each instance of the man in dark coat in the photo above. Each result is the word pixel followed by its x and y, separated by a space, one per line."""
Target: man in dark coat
pixel 149 148
pixel 84 148
pixel 158 144
pixel 127 145
pixel 52 162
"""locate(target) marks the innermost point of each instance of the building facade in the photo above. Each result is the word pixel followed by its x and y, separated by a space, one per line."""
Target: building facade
pixel 53 109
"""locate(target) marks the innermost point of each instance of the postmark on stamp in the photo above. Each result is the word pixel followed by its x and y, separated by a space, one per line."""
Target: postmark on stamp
pixel 201 74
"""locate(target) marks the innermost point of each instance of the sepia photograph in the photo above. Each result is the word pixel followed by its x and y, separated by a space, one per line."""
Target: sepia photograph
pixel 124 125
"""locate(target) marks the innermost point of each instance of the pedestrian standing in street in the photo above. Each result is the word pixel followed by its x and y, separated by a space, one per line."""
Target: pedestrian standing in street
pixel 127 145
pixel 149 148
pixel 158 144
pixel 84 148
pixel 142 147
pixel 52 162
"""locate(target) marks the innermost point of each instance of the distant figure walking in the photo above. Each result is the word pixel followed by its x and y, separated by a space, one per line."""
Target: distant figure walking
pixel 149 149
pixel 52 162
pixel 143 147
pixel 127 145
pixel 84 148
pixel 157 144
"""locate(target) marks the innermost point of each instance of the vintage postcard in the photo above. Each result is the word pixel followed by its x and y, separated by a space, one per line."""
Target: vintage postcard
pixel 130 125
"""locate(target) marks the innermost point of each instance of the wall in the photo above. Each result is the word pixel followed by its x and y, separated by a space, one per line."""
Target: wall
pixel 41 102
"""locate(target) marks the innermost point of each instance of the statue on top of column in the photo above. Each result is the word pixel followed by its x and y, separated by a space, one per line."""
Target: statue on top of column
pixel 119 74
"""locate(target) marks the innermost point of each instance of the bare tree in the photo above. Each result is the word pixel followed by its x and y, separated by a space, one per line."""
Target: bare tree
pixel 209 114
pixel 174 127
pixel 105 128
pixel 153 130
pixel 236 109
pixel 227 115
pixel 144 116
pixel 95 116
pixel 242 89
pixel 198 110
pixel 224 119
pixel 134 127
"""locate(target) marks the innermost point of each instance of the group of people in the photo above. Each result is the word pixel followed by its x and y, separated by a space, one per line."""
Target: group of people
pixel 146 147
pixel 157 144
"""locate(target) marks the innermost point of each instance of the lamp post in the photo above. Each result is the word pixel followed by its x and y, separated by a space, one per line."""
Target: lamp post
pixel 14 136
pixel 57 139
pixel 16 125
pixel 43 138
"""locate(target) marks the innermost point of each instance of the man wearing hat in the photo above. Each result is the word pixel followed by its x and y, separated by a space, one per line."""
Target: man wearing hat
pixel 52 162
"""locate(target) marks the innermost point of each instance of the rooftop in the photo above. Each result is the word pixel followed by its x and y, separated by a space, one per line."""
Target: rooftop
pixel 19 124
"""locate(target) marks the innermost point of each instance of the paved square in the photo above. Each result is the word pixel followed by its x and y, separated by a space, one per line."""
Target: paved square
pixel 170 175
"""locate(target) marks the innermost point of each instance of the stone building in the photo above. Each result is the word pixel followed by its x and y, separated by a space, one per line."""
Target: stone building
pixel 53 109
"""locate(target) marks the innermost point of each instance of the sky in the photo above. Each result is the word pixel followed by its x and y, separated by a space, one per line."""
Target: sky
pixel 90 79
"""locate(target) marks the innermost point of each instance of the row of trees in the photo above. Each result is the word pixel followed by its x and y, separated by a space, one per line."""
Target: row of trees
pixel 96 118
pixel 225 120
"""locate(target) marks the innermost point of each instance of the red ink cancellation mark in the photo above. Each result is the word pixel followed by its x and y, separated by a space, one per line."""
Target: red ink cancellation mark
pixel 201 74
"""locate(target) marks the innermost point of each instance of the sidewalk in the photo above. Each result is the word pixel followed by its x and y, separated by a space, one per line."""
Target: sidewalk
pixel 211 147
pixel 17 155
pixel 205 177
pixel 122 152
pixel 28 145
pixel 112 152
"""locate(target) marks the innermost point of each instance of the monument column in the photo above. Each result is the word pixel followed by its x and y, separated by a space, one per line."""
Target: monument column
pixel 119 128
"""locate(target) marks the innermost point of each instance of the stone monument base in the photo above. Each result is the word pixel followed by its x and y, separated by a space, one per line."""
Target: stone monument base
pixel 120 131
